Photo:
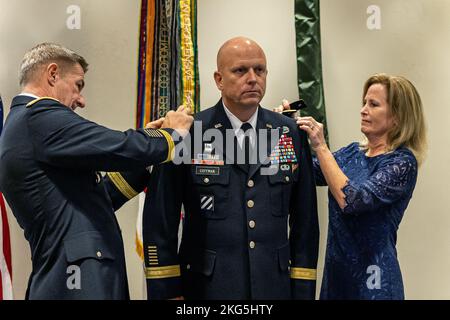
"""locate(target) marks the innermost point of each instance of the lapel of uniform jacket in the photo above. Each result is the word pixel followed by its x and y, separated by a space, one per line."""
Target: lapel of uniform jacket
pixel 221 122
pixel 264 122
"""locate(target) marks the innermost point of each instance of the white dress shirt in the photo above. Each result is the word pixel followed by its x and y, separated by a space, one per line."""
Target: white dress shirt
pixel 236 124
pixel 28 95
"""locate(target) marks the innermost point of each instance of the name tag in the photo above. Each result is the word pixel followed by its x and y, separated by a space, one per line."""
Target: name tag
pixel 210 171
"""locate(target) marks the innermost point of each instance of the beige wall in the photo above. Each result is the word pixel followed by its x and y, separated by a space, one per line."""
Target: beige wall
pixel 413 41
pixel 108 38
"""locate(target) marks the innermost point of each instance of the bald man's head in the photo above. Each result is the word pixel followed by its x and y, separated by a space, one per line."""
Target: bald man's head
pixel 237 44
pixel 241 73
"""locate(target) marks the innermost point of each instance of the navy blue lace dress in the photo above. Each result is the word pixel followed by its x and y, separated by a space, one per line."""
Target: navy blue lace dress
pixel 361 258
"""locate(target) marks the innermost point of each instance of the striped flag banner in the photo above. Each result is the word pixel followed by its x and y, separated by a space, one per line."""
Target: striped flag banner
pixel 309 59
pixel 6 292
pixel 168 59
pixel 168 66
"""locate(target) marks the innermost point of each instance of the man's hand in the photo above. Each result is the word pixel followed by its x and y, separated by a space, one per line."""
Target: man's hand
pixel 155 124
pixel 180 120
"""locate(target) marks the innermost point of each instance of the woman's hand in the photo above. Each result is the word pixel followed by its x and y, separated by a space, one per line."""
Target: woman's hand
pixel 314 130
pixel 335 177
pixel 283 106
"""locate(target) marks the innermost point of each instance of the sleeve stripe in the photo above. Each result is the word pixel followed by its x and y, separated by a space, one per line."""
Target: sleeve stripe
pixel 154 133
pixel 170 143
pixel 303 273
pixel 162 272
pixel 122 185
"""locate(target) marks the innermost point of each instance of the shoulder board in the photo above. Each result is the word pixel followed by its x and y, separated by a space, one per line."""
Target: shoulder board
pixel 29 104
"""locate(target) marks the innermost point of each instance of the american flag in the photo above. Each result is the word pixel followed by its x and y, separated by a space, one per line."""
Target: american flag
pixel 5 245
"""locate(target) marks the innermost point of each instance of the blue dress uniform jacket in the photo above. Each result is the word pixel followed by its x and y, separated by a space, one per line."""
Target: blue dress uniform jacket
pixel 235 242
pixel 49 160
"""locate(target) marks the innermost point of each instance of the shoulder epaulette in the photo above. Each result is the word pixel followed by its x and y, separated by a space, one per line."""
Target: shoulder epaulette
pixel 29 104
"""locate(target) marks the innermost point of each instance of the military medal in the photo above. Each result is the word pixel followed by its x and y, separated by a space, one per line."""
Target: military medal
pixel 284 151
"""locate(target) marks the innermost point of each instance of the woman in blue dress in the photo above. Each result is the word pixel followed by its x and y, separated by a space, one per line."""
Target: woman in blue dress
pixel 370 185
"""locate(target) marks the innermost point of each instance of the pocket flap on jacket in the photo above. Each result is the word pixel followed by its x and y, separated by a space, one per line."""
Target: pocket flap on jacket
pixel 204 262
pixel 283 177
pixel 283 257
pixel 87 245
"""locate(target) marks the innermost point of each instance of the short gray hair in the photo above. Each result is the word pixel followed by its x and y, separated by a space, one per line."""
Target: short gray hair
pixel 47 53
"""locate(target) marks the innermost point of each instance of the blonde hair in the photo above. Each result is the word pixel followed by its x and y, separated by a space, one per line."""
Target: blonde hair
pixel 406 108
pixel 44 53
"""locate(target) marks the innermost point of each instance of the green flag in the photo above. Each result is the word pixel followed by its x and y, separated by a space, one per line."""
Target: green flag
pixel 309 59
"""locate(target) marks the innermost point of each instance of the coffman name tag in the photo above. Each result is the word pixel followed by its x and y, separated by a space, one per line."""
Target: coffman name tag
pixel 210 171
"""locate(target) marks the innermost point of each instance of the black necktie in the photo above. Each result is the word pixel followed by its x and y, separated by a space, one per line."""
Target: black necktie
pixel 246 148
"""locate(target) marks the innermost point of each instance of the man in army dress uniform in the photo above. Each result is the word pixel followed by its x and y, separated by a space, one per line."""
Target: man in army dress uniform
pixel 50 160
pixel 235 241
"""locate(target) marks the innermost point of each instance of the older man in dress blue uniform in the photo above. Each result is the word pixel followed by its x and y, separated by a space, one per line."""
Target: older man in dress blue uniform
pixel 235 241
pixel 50 160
